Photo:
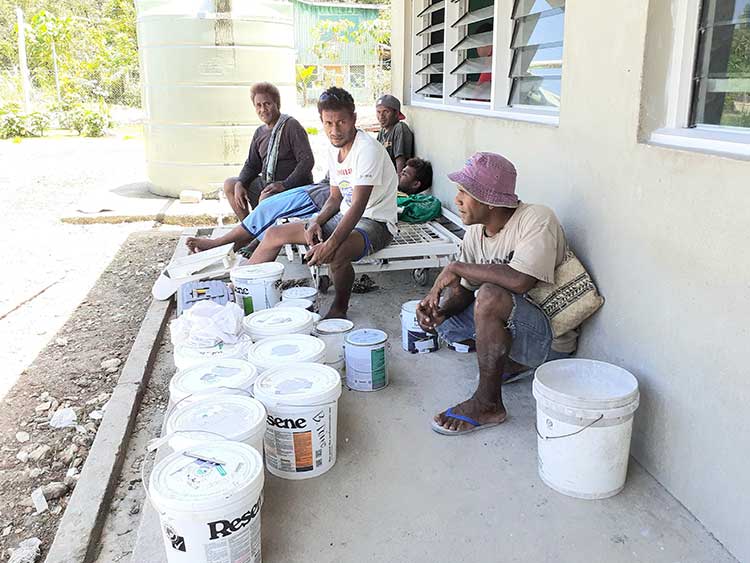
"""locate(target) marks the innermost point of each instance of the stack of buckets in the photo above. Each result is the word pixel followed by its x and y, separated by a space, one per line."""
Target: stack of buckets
pixel 273 403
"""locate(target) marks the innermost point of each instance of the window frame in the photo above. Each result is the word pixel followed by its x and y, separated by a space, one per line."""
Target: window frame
pixel 502 59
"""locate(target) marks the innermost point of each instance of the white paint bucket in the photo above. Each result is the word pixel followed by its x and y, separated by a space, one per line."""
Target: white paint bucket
pixel 413 338
pixel 302 404
pixel 366 360
pixel 309 293
pixel 236 417
pixel 188 356
pixel 333 332
pixel 210 512
pixel 281 350
pixel 584 420
pixel 278 321
pixel 256 287
pixel 209 377
pixel 297 303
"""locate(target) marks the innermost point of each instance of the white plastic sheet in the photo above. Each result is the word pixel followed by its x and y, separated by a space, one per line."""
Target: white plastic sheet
pixel 206 324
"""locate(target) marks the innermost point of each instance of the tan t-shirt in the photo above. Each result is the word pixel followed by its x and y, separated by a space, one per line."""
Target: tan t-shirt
pixel 532 242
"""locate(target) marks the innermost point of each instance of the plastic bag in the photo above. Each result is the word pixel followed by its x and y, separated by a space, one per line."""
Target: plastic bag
pixel 418 208
pixel 207 324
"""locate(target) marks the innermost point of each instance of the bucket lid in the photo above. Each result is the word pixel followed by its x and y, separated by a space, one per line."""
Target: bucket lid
pixel 257 271
pixel 366 337
pixel 410 306
pixel 333 326
pixel 586 384
pixel 235 417
pixel 183 483
pixel 299 303
pixel 277 321
pixel 289 348
pixel 226 372
pixel 299 384
pixel 300 293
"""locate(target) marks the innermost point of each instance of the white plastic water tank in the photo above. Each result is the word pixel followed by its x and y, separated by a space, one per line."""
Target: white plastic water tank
pixel 198 59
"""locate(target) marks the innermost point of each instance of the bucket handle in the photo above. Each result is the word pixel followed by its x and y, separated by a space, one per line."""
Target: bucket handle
pixel 590 424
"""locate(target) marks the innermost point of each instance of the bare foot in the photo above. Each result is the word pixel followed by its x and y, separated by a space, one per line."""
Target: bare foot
pixel 336 313
pixel 196 244
pixel 480 412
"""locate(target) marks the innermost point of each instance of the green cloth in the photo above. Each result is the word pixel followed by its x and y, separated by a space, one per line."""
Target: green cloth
pixel 418 208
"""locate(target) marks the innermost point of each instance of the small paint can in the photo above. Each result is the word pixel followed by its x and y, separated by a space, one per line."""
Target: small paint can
pixel 366 360
pixel 413 338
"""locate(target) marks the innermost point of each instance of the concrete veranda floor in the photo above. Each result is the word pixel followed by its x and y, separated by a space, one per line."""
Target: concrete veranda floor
pixel 402 493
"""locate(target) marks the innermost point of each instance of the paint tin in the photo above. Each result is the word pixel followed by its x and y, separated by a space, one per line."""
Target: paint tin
pixel 413 338
pixel 256 287
pixel 366 360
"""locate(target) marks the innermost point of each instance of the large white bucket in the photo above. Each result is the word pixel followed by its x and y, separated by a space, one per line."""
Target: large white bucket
pixel 366 359
pixel 256 287
pixel 584 420
pixel 235 417
pixel 212 376
pixel 309 293
pixel 188 356
pixel 299 303
pixel 334 332
pixel 209 498
pixel 302 404
pixel 278 321
pixel 281 350
pixel 413 338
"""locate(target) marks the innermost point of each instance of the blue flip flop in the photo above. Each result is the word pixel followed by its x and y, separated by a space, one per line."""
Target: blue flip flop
pixel 474 424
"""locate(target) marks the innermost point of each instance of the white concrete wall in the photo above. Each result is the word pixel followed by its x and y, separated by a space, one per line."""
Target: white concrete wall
pixel 664 232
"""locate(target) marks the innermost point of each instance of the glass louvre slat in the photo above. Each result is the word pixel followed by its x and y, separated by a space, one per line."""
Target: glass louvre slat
pixel 434 7
pixel 473 91
pixel 431 89
pixel 734 85
pixel 435 68
pixel 533 91
pixel 436 48
pixel 539 29
pixel 479 15
pixel 529 7
pixel 474 66
pixel 432 28
pixel 537 61
pixel 473 41
pixel 722 58
pixel 717 12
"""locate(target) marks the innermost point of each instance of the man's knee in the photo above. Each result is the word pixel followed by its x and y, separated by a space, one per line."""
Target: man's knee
pixel 493 300
pixel 229 186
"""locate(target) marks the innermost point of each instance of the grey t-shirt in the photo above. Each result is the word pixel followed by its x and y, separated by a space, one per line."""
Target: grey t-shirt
pixel 399 141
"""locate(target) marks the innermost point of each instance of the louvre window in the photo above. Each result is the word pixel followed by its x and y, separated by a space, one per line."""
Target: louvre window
pixel 721 90
pixel 431 39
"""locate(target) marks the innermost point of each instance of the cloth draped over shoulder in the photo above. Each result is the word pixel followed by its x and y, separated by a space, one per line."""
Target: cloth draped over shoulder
pixel 273 149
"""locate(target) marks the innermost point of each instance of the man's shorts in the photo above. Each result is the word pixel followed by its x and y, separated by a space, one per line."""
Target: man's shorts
pixel 528 325
pixel 376 234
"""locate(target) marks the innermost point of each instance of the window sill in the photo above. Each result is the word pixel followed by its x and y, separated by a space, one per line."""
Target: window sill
pixel 512 114
pixel 709 141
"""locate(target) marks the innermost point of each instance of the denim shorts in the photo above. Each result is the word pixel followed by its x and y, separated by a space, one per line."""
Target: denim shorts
pixel 528 325
pixel 376 234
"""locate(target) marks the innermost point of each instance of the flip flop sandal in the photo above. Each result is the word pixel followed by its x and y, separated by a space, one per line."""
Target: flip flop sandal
pixel 474 424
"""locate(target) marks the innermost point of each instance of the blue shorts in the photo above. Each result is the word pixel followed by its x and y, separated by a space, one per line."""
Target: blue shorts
pixel 528 325
pixel 295 202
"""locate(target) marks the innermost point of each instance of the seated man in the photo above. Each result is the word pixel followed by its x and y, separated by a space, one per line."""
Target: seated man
pixel 280 156
pixel 508 247
pixel 415 178
pixel 359 217
pixel 394 134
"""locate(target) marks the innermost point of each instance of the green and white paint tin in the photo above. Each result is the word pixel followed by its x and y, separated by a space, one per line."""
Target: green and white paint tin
pixel 256 287
pixel 366 359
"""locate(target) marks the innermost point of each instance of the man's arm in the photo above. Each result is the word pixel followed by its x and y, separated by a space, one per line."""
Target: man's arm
pixel 330 207
pixel 403 145
pixel 303 154
pixel 497 274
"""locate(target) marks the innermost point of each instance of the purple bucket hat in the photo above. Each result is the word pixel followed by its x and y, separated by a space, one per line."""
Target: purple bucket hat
pixel 489 178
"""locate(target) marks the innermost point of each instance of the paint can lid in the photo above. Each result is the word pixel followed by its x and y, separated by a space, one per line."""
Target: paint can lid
pixel 333 326
pixel 206 476
pixel 285 349
pixel 300 293
pixel 284 320
pixel 260 271
pixel 410 306
pixel 299 303
pixel 299 384
pixel 366 337
pixel 209 376
pixel 234 417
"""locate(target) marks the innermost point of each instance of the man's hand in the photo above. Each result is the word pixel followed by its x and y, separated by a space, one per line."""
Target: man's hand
pixel 313 233
pixel 446 278
pixel 240 196
pixel 321 253
pixel 271 189
pixel 429 317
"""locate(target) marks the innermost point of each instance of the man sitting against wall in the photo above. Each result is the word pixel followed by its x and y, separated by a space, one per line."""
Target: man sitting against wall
pixel 508 248
pixel 394 134
pixel 279 158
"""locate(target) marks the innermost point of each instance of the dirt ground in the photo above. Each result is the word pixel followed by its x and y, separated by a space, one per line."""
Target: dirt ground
pixel 77 370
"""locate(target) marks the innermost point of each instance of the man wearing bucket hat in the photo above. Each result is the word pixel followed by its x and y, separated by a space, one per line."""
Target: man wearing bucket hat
pixel 508 248
pixel 394 135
